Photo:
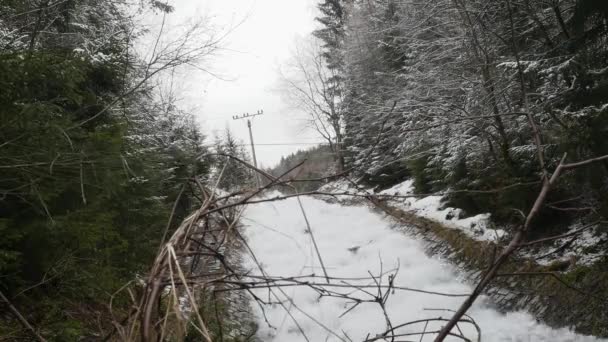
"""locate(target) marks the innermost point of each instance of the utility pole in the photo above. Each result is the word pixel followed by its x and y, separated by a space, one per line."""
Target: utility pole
pixel 255 162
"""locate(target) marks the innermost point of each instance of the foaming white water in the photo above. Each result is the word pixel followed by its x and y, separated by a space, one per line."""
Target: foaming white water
pixel 354 241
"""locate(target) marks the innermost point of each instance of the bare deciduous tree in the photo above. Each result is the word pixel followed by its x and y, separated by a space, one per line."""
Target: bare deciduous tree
pixel 311 86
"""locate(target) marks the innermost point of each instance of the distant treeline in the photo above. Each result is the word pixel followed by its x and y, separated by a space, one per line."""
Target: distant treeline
pixel 317 162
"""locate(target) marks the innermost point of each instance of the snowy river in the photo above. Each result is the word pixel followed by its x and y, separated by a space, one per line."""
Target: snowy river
pixel 352 242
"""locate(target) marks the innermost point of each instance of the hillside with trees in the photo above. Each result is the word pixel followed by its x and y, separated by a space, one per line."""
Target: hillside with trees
pixel 472 95
pixel 314 167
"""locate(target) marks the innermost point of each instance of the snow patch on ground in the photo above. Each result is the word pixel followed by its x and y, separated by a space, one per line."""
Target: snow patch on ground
pixel 478 227
pixel 584 247
pixel 353 241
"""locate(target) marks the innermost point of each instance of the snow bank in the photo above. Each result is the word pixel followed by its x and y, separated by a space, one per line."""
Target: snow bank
pixel 353 240
pixel 583 247
pixel 478 227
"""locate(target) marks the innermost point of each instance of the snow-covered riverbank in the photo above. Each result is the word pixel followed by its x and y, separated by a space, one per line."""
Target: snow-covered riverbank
pixel 354 241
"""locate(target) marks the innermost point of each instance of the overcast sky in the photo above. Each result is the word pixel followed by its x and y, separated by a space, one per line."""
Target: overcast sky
pixel 253 51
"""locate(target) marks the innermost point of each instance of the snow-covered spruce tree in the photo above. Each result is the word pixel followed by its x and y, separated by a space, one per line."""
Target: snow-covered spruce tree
pixel 385 66
pixel 329 61
pixel 169 140
pixel 233 175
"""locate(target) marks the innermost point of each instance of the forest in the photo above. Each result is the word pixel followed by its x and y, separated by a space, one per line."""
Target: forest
pixel 463 95
pixel 94 158
pixel 499 105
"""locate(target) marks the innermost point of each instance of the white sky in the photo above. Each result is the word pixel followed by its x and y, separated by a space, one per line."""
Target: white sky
pixel 254 50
